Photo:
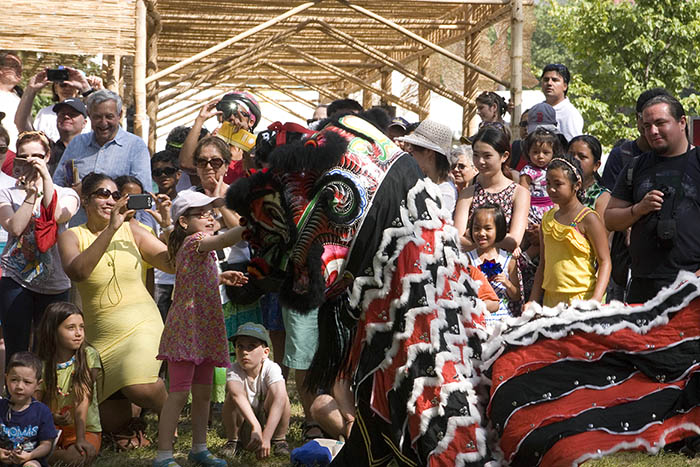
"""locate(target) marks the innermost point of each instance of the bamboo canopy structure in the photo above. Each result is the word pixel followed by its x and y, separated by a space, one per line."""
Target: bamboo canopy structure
pixel 333 47
pixel 182 49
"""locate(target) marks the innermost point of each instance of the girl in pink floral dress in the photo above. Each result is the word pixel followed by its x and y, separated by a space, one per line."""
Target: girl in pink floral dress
pixel 194 339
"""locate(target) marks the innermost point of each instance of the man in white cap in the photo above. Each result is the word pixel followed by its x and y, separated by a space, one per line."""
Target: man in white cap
pixel 430 144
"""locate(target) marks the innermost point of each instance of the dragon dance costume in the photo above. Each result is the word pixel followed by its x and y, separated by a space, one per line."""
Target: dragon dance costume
pixel 345 221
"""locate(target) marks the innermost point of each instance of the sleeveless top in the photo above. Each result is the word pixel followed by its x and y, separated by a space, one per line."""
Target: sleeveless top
pixel 503 198
pixel 592 194
pixel 569 256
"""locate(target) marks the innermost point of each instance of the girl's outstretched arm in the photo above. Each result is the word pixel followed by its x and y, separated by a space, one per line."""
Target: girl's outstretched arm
pixel 513 285
pixel 598 236
pixel 222 240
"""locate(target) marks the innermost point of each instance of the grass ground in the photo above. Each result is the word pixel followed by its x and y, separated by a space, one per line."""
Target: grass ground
pixel 217 438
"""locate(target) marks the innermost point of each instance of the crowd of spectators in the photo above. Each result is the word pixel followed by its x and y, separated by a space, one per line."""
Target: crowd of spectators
pixel 533 216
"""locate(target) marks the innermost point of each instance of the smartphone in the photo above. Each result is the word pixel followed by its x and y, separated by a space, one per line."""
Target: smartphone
pixel 139 202
pixel 57 75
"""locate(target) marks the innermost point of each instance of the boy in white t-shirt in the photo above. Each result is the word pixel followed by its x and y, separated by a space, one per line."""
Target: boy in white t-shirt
pixel 255 384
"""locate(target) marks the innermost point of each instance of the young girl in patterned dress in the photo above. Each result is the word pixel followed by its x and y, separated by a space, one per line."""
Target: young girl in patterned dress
pixel 488 227
pixel 587 150
pixel 540 146
pixel 194 338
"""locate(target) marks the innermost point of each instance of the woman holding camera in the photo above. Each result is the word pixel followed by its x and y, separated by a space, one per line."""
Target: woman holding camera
pixel 104 257
pixel 32 212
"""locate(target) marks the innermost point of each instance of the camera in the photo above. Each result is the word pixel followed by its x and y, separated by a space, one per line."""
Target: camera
pixel 666 226
pixel 57 75
pixel 139 202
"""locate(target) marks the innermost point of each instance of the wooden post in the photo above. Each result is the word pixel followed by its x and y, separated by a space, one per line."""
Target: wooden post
pixel 471 78
pixel 516 65
pixel 140 116
pixel 366 99
pixel 112 66
pixel 154 28
pixel 386 85
pixel 423 91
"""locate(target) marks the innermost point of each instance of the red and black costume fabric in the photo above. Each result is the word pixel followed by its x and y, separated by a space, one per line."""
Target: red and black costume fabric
pixel 577 383
pixel 345 221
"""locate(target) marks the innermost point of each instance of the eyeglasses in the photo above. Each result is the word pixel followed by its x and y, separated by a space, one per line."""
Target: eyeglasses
pixel 215 163
pixel 4 148
pixel 461 166
pixel 167 171
pixel 523 124
pixel 104 193
pixel 203 214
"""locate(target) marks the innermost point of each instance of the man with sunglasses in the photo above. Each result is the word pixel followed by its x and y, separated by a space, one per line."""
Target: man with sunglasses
pixel 238 108
pixel 555 86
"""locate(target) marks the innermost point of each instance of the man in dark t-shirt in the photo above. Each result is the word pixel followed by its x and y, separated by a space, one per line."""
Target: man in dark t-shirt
pixel 622 154
pixel 662 203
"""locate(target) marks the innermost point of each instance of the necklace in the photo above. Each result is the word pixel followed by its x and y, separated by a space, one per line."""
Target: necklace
pixel 61 366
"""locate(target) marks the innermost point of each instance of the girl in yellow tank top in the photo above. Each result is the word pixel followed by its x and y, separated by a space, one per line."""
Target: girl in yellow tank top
pixel 572 241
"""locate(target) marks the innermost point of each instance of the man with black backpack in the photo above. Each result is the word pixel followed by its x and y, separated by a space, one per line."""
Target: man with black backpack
pixel 657 195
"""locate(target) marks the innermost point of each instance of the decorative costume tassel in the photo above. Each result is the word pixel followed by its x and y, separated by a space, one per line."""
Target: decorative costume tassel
pixel 336 330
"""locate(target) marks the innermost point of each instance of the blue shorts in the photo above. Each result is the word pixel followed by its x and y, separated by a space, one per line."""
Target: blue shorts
pixel 271 312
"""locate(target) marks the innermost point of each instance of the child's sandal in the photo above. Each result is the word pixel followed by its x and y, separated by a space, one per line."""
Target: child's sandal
pixel 307 427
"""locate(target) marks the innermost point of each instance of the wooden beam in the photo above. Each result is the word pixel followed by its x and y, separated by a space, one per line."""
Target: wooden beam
pixel 264 98
pixel 329 94
pixel 233 40
pixel 174 98
pixel 277 88
pixel 424 41
pixel 394 64
pixel 355 80
pixel 239 55
pixel 140 116
pixel 386 84
pixel 423 91
pixel 516 65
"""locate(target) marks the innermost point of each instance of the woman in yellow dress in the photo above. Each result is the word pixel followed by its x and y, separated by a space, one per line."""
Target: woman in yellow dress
pixel 104 258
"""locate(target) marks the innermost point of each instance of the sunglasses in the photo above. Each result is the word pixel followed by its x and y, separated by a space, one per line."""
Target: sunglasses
pixel 4 149
pixel 203 214
pixel 104 193
pixel 215 163
pixel 167 171
pixel 523 124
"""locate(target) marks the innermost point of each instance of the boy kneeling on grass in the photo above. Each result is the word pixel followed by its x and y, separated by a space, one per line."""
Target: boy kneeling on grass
pixel 255 383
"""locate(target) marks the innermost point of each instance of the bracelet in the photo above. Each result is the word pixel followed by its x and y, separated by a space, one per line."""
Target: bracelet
pixel 29 202
pixel 88 92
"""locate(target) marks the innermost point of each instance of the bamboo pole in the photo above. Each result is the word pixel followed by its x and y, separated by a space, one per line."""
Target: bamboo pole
pixel 329 94
pixel 239 55
pixel 424 41
pixel 516 65
pixel 385 83
pixel 423 91
pixel 264 98
pixel 390 62
pixel 366 99
pixel 112 68
pixel 178 95
pixel 471 78
pixel 355 80
pixel 154 28
pixel 140 116
pixel 274 86
pixel 233 40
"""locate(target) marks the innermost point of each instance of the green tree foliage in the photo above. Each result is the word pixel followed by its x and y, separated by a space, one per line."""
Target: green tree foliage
pixel 619 49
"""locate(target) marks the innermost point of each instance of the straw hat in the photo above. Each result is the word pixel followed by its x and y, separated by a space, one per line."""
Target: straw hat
pixel 431 135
